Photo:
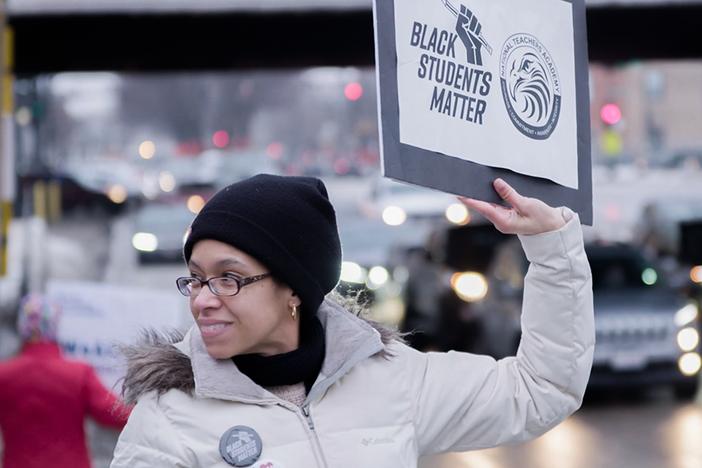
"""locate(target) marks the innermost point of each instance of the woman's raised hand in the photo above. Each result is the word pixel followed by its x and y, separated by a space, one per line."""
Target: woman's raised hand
pixel 526 216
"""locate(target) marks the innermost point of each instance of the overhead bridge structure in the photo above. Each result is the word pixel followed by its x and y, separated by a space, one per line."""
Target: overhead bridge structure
pixel 173 35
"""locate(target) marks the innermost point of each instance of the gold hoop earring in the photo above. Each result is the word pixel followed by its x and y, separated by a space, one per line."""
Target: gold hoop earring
pixel 294 312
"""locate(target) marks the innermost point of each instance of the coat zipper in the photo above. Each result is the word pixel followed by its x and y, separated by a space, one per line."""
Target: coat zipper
pixel 310 423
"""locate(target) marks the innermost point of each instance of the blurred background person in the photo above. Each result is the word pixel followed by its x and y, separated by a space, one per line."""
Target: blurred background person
pixel 44 398
pixel 424 288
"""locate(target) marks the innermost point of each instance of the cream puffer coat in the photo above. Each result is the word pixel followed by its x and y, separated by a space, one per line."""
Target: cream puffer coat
pixel 376 404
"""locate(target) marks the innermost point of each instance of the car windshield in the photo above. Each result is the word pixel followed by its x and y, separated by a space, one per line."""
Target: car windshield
pixel 622 270
pixel 400 189
pixel 166 214
pixel 371 241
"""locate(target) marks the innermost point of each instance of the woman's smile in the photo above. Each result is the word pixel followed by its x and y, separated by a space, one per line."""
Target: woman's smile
pixel 213 329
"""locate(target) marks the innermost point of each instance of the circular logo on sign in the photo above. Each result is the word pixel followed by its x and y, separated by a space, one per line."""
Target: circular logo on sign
pixel 530 85
pixel 240 446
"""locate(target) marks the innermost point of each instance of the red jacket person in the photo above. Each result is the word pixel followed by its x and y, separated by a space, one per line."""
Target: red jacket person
pixel 44 398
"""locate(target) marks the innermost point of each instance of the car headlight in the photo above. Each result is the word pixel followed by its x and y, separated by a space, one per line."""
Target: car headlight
pixel 353 273
pixel 145 241
pixel 688 339
pixel 457 213
pixel 469 286
pixel 377 276
pixel 690 363
pixel 394 215
pixel 686 315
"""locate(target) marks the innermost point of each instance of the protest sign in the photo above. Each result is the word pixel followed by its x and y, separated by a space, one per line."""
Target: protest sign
pixel 472 90
pixel 96 316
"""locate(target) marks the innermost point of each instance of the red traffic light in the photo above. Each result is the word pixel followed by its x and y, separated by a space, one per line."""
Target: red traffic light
pixel 220 139
pixel 610 113
pixel 353 91
pixel 275 150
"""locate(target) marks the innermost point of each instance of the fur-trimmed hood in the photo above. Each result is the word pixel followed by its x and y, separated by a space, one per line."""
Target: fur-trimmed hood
pixel 159 362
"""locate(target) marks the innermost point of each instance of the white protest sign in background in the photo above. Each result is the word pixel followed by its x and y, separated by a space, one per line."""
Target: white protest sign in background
pixel 96 316
pixel 492 82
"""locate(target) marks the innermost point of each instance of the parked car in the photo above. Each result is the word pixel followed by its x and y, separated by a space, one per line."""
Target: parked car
pixel 160 230
pixel 394 202
pixel 370 249
pixel 647 331
pixel 449 279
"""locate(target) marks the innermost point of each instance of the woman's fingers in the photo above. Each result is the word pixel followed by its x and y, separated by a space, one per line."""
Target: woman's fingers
pixel 479 206
pixel 506 192
pixel 505 219
pixel 496 214
pixel 511 196
pixel 527 215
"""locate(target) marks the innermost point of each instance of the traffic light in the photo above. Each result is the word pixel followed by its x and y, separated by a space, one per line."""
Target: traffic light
pixel 220 139
pixel 611 141
pixel 353 91
pixel 610 113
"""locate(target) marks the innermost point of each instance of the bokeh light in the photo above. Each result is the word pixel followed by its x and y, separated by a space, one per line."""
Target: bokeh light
pixel 457 213
pixel 610 113
pixel 690 363
pixel 394 216
pixel 353 91
pixel 352 273
pixel 378 275
pixel 117 193
pixel 23 116
pixel 147 149
pixel 195 203
pixel 166 181
pixel 145 241
pixel 469 286
pixel 686 315
pixel 696 274
pixel 275 150
pixel 220 139
pixel 342 166
pixel 688 338
pixel 611 143
pixel 649 276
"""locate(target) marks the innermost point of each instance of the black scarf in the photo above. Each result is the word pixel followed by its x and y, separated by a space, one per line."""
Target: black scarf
pixel 300 365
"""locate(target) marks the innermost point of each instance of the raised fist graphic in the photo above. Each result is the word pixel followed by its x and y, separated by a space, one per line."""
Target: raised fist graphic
pixel 468 28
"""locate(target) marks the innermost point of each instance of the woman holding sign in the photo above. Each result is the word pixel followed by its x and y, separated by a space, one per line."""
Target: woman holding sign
pixel 276 375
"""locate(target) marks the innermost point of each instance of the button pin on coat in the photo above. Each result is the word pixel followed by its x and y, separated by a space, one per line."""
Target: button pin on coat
pixel 240 446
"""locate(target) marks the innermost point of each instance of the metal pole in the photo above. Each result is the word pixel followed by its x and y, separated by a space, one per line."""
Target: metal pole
pixel 53 193
pixel 7 147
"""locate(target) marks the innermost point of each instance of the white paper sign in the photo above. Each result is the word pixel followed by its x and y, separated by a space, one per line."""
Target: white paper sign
pixel 491 82
pixel 95 316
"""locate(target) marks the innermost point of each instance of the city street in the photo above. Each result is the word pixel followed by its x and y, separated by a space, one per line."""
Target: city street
pixel 655 433
pixel 126 123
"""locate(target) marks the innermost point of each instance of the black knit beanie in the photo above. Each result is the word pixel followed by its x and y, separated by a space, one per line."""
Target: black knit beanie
pixel 285 222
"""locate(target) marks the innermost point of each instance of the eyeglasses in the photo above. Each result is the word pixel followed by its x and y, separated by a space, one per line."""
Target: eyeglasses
pixel 220 286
